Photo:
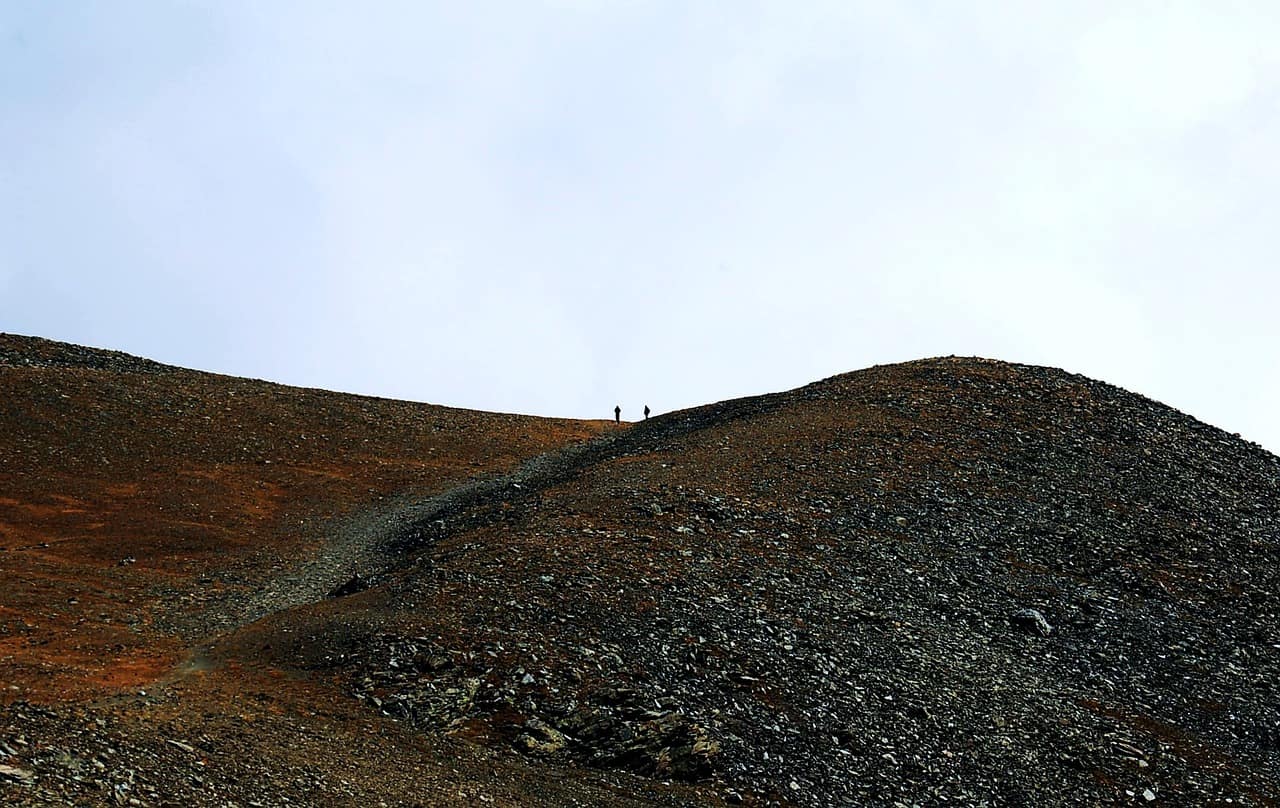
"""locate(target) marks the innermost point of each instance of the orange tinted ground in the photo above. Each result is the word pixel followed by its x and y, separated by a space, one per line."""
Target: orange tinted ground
pixel 128 498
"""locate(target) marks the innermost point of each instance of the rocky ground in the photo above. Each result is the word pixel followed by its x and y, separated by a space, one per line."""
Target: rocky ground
pixel 952 581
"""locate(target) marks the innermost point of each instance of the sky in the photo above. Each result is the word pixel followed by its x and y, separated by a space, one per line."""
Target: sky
pixel 556 207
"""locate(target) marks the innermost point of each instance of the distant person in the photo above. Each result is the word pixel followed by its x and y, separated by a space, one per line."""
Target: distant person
pixel 617 415
pixel 646 412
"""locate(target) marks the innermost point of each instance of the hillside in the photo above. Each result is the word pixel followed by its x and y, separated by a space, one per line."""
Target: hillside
pixel 218 590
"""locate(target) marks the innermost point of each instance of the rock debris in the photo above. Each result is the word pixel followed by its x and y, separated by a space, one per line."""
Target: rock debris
pixel 952 581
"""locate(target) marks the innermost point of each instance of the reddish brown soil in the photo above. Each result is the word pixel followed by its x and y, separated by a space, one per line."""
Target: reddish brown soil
pixel 118 487
pixel 129 491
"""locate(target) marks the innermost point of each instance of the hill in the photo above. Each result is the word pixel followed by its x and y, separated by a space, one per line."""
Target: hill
pixel 948 580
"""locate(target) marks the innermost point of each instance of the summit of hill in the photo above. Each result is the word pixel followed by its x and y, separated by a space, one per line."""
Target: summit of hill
pixel 949 581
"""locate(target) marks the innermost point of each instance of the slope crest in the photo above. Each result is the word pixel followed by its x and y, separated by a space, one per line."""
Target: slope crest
pixel 821 597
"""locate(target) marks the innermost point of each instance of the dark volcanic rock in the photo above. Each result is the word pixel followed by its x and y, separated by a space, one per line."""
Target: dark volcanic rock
pixel 356 583
pixel 807 598
pixel 1031 621
pixel 34 352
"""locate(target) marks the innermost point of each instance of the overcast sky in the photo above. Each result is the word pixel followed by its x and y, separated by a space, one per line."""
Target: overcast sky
pixel 555 207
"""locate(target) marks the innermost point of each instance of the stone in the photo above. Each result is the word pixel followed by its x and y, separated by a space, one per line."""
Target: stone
pixel 541 738
pixel 354 584
pixel 17 774
pixel 1031 621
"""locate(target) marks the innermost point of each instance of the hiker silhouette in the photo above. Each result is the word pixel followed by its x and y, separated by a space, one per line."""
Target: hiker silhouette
pixel 646 412
pixel 617 415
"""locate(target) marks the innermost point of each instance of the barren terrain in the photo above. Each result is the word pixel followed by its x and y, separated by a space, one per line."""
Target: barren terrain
pixel 952 581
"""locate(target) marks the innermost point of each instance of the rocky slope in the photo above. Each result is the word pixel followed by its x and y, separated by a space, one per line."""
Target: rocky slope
pixel 952 580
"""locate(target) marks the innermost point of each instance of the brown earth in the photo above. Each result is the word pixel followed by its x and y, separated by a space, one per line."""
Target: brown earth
pixel 136 498
pixel 218 591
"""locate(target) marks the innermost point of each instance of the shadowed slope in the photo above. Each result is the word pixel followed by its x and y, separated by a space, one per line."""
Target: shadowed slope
pixel 811 597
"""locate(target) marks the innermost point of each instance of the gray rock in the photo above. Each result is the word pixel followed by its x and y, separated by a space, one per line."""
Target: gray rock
pixel 1031 621
pixel 15 773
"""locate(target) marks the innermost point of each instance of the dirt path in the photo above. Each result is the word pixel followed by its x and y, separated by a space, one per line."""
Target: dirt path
pixel 363 547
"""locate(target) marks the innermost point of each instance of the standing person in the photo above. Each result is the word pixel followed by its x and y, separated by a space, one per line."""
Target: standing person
pixel 617 415
pixel 646 412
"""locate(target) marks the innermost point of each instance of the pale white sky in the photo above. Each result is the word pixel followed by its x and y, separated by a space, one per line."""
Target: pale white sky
pixel 556 207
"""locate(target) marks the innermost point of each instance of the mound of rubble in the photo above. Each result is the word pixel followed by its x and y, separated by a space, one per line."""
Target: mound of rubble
pixel 950 580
